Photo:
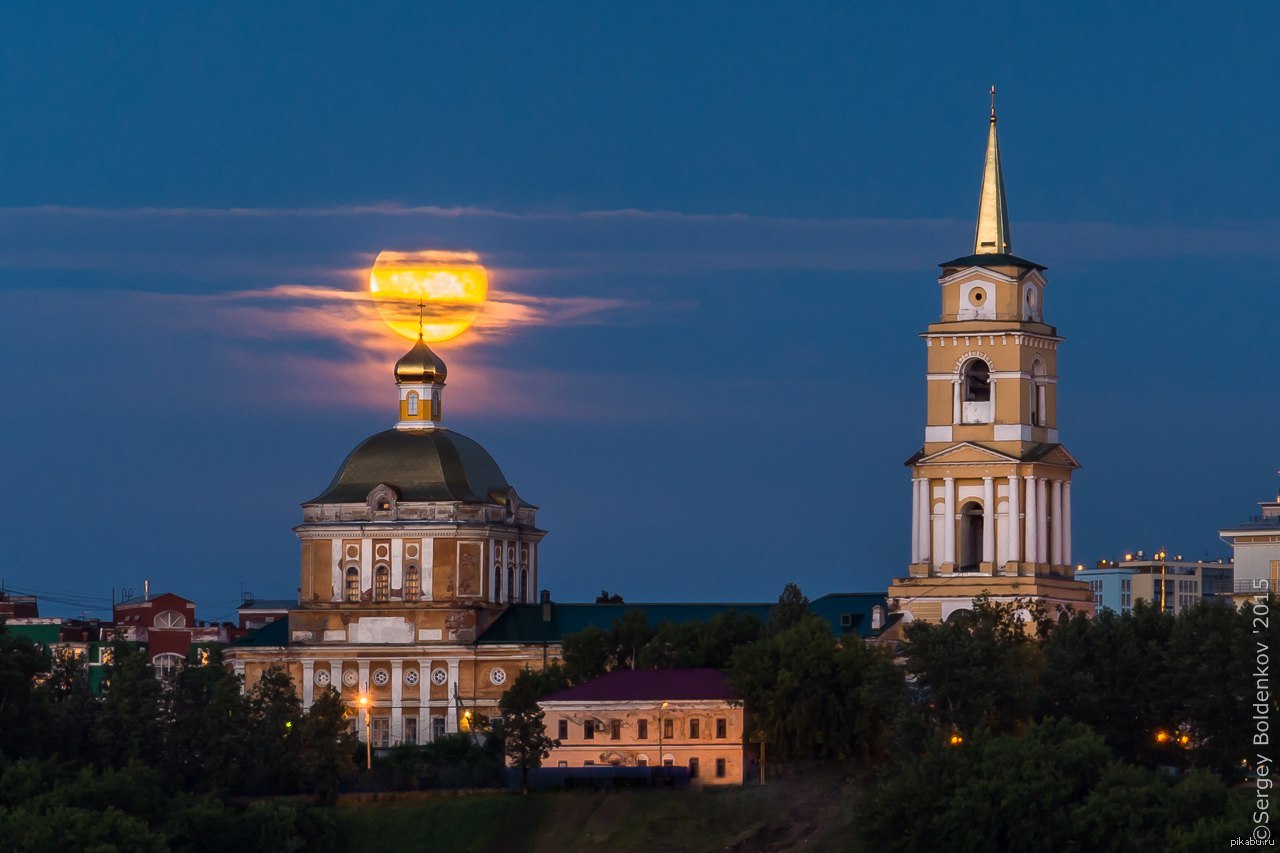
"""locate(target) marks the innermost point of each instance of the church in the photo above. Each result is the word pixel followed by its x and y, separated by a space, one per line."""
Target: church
pixel 991 487
pixel 420 568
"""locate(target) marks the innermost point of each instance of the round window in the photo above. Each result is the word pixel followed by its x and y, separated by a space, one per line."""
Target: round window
pixel 349 677
pixel 381 677
pixel 497 676
pixel 439 677
pixel 411 677
pixel 322 677
pixel 977 296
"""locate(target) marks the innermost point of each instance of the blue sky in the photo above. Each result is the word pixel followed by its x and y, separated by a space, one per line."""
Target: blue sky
pixel 685 211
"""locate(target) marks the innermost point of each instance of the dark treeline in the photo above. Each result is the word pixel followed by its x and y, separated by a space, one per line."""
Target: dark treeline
pixel 1115 725
pixel 156 764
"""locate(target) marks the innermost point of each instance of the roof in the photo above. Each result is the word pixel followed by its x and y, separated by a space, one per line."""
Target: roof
pixel 269 604
pixel 420 364
pixel 994 259
pixel 1258 522
pixel 148 599
pixel 523 623
pixel 657 685
pixel 421 465
pixel 272 634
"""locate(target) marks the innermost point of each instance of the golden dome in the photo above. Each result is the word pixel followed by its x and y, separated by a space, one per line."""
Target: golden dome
pixel 420 364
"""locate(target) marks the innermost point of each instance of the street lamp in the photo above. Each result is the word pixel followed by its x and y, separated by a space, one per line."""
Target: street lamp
pixel 368 741
pixel 661 763
pixel 1163 576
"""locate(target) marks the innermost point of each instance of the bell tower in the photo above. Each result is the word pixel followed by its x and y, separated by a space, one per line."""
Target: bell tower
pixel 991 487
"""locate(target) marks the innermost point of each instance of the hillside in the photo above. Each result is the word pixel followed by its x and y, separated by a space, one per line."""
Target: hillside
pixel 810 811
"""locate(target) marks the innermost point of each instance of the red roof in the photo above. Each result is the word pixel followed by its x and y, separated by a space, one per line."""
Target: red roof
pixel 658 685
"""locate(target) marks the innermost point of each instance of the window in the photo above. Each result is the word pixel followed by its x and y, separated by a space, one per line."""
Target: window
pixel 615 729
pixel 722 728
pixel 497 584
pixel 167 666
pixel 588 763
pixel 642 729
pixel 171 619
pixel 511 583
pixel 720 767
pixel 381 583
pixel 668 728
pixel 972 522
pixel 353 584
pixel 562 764
pixel 410 729
pixel 589 730
pixel 524 585
pixel 411 402
pixel 435 405
pixel 642 761
pixel 977 381
pixel 695 728
pixel 437 728
pixel 381 730
pixel 412 584
pixel 693 768
pixel 562 730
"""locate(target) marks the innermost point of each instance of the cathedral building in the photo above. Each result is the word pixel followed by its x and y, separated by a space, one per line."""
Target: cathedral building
pixel 991 487
pixel 409 555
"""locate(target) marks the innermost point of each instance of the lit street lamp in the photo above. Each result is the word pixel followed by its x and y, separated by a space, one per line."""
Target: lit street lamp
pixel 368 741
pixel 661 763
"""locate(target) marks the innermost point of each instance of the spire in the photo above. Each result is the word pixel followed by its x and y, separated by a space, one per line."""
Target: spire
pixel 992 235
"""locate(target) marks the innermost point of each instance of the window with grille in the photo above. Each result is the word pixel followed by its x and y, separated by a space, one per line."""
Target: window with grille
pixel 381 584
pixel 353 584
pixel 412 584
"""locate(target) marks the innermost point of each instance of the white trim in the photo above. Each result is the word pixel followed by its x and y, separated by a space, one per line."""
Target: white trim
pixel 938 433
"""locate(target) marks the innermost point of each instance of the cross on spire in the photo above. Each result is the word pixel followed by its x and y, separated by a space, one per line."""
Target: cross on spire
pixel 421 305
pixel 993 102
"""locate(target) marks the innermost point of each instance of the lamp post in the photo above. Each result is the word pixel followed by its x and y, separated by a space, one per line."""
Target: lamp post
pixel 661 763
pixel 1163 575
pixel 368 741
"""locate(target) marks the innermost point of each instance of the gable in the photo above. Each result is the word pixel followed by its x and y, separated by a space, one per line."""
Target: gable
pixel 967 452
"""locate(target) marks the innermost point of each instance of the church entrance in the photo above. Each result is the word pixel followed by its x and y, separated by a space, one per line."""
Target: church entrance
pixel 970 552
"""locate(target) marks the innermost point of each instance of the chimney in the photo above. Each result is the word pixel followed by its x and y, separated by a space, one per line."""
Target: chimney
pixel 545 598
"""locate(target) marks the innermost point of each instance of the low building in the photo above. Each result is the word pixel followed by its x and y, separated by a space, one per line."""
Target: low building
pixel 683 718
pixel 255 613
pixel 1174 584
pixel 165 624
pixel 1255 546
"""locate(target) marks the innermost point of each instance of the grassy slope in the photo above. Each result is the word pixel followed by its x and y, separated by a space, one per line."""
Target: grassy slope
pixel 812 812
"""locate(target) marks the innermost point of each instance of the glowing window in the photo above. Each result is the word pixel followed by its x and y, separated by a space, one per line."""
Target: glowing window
pixel 381 583
pixel 353 584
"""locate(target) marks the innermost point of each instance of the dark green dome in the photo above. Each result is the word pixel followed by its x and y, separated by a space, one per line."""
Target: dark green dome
pixel 421 465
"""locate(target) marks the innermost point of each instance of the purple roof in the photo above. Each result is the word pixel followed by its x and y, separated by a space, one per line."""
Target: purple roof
pixel 625 685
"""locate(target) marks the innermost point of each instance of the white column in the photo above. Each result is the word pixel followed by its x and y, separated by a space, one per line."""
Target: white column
pixel 993 400
pixel 955 401
pixel 988 520
pixel 926 520
pixel 915 521
pixel 1042 520
pixel 397 695
pixel 1065 510
pixel 1015 521
pixel 308 683
pixel 336 571
pixel 1056 555
pixel 949 520
pixel 424 700
pixel 451 713
pixel 1033 525
pixel 335 675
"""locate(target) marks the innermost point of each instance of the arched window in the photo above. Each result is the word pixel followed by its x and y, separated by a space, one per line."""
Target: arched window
pixel 497 584
pixel 381 583
pixel 412 583
pixel 435 405
pixel 167 665
pixel 411 402
pixel 511 584
pixel 524 585
pixel 353 584
pixel 971 522
pixel 977 381
pixel 1038 393
pixel 171 619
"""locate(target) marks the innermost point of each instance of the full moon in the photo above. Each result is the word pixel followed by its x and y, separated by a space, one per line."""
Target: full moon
pixel 447 289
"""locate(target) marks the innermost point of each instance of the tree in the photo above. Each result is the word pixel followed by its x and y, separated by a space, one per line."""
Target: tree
pixel 605 598
pixel 132 723
pixel 324 746
pixel 274 714
pixel 791 609
pixel 588 653
pixel 982 671
pixel 20 662
pixel 524 734
pixel 208 745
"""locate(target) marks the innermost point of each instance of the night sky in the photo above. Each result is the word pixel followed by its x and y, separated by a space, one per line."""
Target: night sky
pixel 712 234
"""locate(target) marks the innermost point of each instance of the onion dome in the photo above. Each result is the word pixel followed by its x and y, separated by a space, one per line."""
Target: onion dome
pixel 421 366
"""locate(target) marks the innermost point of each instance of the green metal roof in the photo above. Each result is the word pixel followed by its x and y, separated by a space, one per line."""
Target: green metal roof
pixel 274 633
pixel 523 623
pixel 992 260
